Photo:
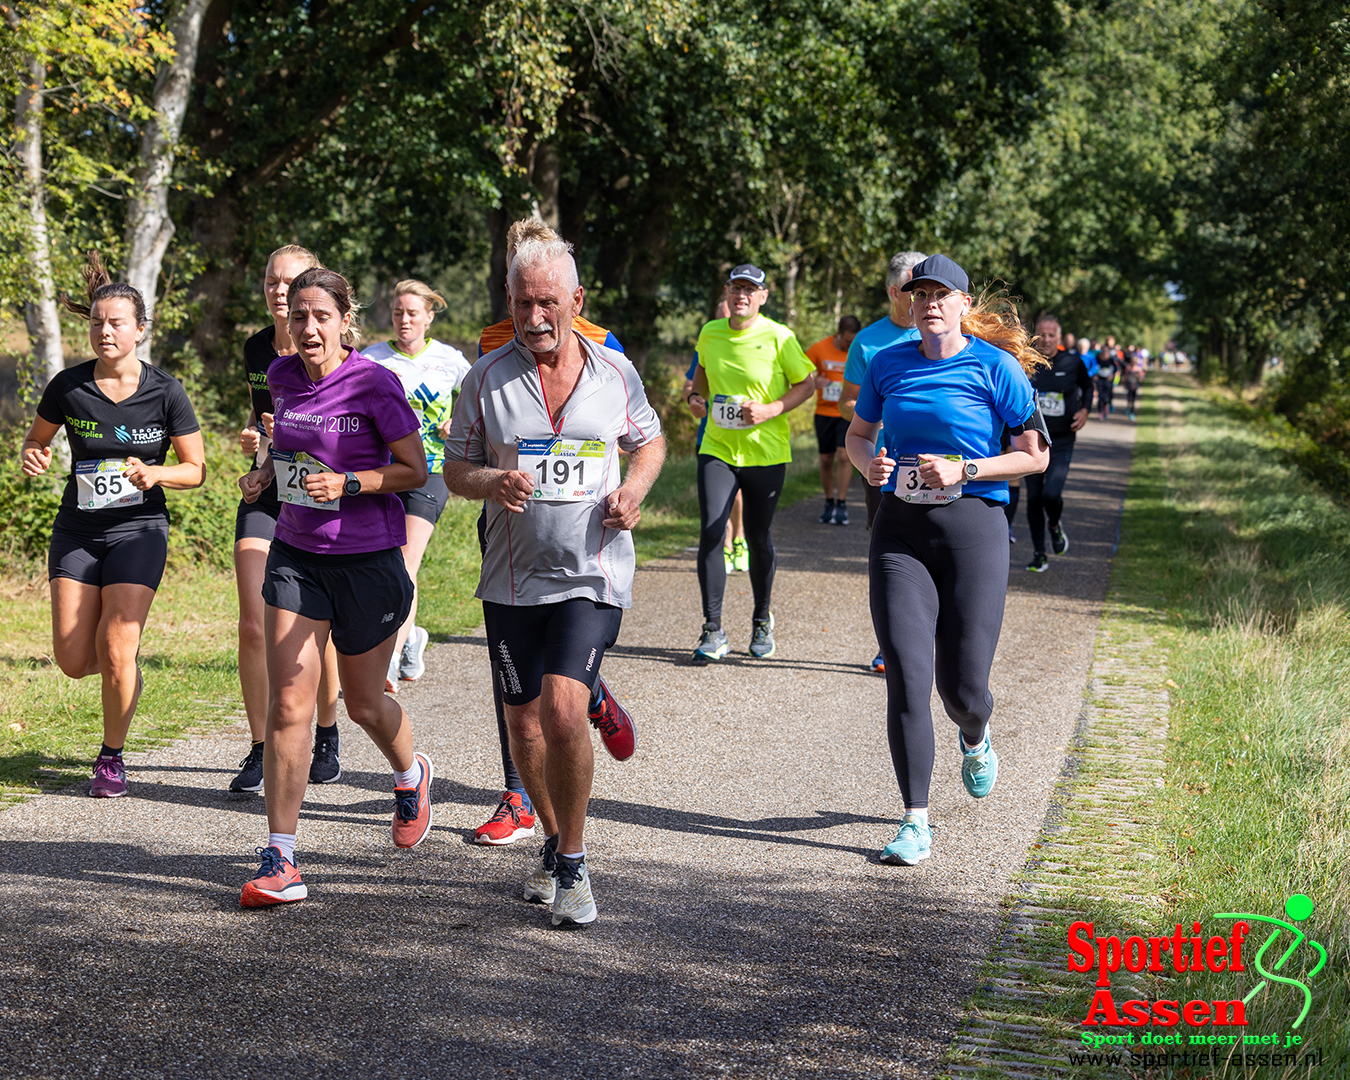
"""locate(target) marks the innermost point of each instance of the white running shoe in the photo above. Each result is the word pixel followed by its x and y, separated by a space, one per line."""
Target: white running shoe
pixel 542 885
pixel 573 903
pixel 411 665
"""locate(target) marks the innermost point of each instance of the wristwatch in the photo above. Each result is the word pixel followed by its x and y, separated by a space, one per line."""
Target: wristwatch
pixel 352 486
pixel 972 470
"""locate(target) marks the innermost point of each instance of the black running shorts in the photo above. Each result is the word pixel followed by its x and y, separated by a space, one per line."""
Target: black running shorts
pixel 428 501
pixel 258 520
pixel 364 597
pixel 831 431
pixel 528 642
pixel 129 553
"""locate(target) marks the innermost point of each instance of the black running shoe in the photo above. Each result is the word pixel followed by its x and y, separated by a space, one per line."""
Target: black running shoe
pixel 1039 563
pixel 827 515
pixel 324 767
pixel 250 776
pixel 1059 543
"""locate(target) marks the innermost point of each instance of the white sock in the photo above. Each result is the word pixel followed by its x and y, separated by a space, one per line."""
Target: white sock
pixel 967 747
pixel 574 855
pixel 411 778
pixel 921 816
pixel 283 842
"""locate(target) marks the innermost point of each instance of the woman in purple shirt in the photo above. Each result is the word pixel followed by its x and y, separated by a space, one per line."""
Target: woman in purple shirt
pixel 344 440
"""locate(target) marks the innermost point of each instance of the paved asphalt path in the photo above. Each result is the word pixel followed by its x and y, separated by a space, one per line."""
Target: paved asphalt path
pixel 746 927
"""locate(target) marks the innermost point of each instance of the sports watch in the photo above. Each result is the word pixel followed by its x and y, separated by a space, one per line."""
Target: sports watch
pixel 972 470
pixel 352 486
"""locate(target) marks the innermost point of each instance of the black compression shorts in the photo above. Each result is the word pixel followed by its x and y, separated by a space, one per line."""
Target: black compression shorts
pixel 258 520
pixel 364 597
pixel 131 553
pixel 527 642
pixel 428 501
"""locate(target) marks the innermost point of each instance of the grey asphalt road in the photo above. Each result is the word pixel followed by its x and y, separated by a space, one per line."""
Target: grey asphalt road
pixel 746 927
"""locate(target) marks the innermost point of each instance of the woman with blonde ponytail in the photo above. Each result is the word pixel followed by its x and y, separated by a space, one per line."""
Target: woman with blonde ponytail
pixel 111 536
pixel 939 558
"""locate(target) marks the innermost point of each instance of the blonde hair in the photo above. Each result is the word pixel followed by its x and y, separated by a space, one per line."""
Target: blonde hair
pixel 435 301
pixel 993 318
pixel 295 251
pixel 526 229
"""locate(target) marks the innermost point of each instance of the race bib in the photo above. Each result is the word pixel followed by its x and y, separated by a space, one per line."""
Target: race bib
pixel 100 484
pixel 292 468
pixel 727 413
pixel 1051 402
pixel 564 470
pixel 832 391
pixel 264 448
pixel 905 482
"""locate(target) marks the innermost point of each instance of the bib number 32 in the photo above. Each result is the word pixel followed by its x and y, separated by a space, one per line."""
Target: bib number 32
pixel 564 470
pixel 292 468
pixel 912 489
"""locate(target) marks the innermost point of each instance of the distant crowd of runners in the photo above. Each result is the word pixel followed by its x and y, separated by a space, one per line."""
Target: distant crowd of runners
pixel 943 405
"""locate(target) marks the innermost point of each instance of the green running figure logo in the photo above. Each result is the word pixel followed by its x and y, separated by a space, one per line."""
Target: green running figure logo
pixel 1298 907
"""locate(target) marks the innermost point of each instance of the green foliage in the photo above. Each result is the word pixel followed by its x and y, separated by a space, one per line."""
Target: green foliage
pixel 30 504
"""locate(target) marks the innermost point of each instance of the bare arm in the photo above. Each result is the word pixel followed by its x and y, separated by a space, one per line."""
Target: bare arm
pixel 848 397
pixel 861 444
pixel 757 412
pixel 509 488
pixel 35 454
pixel 644 465
pixel 190 472
pixel 407 471
pixel 1027 454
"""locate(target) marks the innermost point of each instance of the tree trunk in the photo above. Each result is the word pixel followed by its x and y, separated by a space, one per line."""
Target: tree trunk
pixel 149 226
pixel 547 171
pixel 794 266
pixel 498 221
pixel 40 315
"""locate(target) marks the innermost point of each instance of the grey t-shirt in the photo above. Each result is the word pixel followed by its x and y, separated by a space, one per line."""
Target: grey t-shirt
pixel 555 550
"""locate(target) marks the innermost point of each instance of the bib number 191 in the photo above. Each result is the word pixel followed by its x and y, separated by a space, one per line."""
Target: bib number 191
pixel 564 470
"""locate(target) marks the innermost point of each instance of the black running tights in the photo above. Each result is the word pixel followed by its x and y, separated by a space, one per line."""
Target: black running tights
pixel 939 576
pixel 1045 491
pixel 760 486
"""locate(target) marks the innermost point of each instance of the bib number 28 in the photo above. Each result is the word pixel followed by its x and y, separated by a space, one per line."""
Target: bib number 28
pixel 292 468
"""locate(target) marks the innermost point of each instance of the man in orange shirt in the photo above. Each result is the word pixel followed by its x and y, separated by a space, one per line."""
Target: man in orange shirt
pixel 829 355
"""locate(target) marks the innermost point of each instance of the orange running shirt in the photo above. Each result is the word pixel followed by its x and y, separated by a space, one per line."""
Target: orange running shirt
pixel 498 334
pixel 829 362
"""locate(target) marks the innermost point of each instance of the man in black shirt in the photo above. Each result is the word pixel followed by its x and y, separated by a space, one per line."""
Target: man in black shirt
pixel 1064 394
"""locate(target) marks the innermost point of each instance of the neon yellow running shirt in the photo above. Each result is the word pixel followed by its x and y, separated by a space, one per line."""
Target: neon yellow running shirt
pixel 757 364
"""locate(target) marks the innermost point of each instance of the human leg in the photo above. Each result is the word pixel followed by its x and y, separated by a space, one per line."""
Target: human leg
pixel 295 648
pixel 1035 487
pixel 843 476
pixel 1053 479
pixel 717 488
pixel 77 609
pixel 250 567
pixel 761 486
pixel 125 608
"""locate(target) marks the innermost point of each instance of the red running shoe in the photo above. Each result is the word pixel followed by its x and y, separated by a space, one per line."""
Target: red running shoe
pixel 276 882
pixel 509 823
pixel 615 725
pixel 412 808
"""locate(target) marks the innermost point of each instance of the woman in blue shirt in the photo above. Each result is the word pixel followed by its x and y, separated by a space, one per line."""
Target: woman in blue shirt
pixel 939 558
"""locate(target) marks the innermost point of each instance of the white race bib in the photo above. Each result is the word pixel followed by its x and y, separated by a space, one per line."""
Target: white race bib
pixel 727 413
pixel 905 482
pixel 832 391
pixel 564 470
pixel 292 468
pixel 100 484
pixel 1051 402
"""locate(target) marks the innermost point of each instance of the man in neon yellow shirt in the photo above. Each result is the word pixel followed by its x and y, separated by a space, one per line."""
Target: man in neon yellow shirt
pixel 751 373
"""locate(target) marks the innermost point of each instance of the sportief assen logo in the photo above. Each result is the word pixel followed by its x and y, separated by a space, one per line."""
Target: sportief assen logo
pixel 1186 952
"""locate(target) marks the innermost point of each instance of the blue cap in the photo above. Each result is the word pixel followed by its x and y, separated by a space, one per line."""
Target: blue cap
pixel 941 269
pixel 747 272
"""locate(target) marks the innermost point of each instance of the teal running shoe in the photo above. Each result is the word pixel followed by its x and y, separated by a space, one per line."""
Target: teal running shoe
pixel 761 638
pixel 979 768
pixel 912 844
pixel 713 645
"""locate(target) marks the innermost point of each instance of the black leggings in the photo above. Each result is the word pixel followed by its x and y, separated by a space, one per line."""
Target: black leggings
pixel 1045 491
pixel 760 486
pixel 1131 395
pixel 1105 388
pixel 939 576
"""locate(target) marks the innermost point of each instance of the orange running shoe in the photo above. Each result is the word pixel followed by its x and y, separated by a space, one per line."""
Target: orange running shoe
pixel 614 724
pixel 509 823
pixel 276 882
pixel 412 808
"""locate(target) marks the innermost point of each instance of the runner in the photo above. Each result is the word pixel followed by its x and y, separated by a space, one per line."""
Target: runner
pixel 1131 376
pixel 345 440
pixel 111 535
pixel 734 552
pixel 1109 362
pixel 1064 396
pixel 514 817
pixel 751 372
pixel 537 431
pixel 897 326
pixel 836 471
pixel 939 560
pixel 430 372
pixel 254 524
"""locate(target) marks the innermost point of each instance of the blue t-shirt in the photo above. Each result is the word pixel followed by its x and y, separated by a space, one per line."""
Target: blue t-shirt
pixel 869 341
pixel 702 424
pixel 1090 362
pixel 954 406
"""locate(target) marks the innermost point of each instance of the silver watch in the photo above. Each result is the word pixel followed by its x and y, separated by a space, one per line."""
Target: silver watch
pixel 972 470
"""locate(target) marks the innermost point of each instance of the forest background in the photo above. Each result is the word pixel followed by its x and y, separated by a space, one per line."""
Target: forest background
pixel 1172 169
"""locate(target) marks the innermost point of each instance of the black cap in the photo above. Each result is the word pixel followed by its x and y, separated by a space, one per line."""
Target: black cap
pixel 941 269
pixel 747 272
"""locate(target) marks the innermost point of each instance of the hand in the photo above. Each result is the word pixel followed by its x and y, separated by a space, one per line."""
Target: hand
pixel 325 487
pixel 879 469
pixel 1079 419
pixel 622 509
pixel 821 381
pixel 756 412
pixel 938 471
pixel 266 419
pixel 698 405
pixel 444 427
pixel 142 476
pixel 249 440
pixel 36 459
pixel 513 489
pixel 254 484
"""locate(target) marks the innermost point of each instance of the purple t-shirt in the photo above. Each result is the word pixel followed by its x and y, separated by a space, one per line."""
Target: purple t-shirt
pixel 347 421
